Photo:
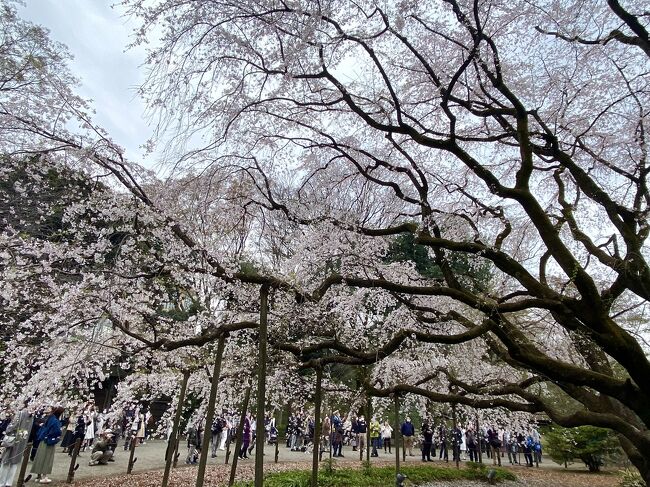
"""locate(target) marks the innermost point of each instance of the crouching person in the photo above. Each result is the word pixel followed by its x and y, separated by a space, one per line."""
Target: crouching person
pixel 102 452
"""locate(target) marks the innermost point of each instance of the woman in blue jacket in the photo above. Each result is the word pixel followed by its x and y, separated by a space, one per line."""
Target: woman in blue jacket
pixel 49 435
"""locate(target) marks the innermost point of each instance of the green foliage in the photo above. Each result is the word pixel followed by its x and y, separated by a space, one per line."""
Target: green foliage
pixel 631 478
pixel 590 444
pixel 474 273
pixel 380 476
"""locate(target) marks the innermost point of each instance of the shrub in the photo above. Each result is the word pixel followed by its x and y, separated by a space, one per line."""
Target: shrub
pixel 589 444
pixel 631 478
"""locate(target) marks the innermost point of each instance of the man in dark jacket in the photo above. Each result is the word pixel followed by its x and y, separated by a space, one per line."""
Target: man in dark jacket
pixel 442 438
pixel 362 429
pixel 408 431
pixel 427 440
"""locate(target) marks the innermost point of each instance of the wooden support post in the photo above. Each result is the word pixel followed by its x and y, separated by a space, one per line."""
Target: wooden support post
pixel 479 439
pixel 277 443
pixel 209 414
pixel 396 428
pixel 329 441
pixel 261 386
pixel 368 421
pixel 172 445
pixel 229 442
pixel 176 454
pixel 240 434
pixel 455 445
pixel 132 460
pixel 23 466
pixel 359 443
pixel 73 460
pixel 318 401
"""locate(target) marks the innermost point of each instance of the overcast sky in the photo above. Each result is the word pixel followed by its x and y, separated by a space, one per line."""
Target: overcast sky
pixel 97 36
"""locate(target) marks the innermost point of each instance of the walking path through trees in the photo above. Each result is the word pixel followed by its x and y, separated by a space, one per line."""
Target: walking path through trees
pixel 148 469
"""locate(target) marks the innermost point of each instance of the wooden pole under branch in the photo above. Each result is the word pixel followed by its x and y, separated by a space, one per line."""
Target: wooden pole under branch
pixel 261 386
pixel 396 428
pixel 240 434
pixel 209 414
pixel 318 400
pixel 173 439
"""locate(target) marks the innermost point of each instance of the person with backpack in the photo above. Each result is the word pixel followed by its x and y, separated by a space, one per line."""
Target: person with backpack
pixel 529 445
pixel 48 436
pixel 192 445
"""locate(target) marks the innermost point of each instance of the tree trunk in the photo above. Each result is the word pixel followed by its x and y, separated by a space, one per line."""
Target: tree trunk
pixel 318 399
pixel 240 433
pixel 396 428
pixel 173 439
pixel 261 387
pixel 209 414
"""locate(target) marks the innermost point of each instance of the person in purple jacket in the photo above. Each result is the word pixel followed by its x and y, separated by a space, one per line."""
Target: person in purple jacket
pixel 246 437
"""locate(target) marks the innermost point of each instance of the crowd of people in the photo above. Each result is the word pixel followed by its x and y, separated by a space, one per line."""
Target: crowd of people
pixel 224 430
pixel 99 432
pixel 429 438
pixel 45 429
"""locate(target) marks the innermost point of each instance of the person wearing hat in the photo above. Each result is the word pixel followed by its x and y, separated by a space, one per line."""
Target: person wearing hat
pixel 102 453
pixel 408 431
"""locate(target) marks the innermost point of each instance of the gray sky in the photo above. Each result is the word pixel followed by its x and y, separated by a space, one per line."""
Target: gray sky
pixel 97 36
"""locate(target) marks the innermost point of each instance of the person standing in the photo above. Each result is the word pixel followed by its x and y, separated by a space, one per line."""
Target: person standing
pixel 216 429
pixel 246 437
pixel 408 431
pixel 528 450
pixel 362 429
pixel 192 445
pixel 18 430
pixel 375 434
pixel 354 431
pixel 89 419
pixel 442 438
pixel 456 440
pixel 68 424
pixel 140 433
pixel 79 431
pixel 337 441
pixel 427 440
pixel 495 446
pixel 386 434
pixel 48 435
pixel 253 435
pixel 225 432
pixel 39 420
pixel 470 439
